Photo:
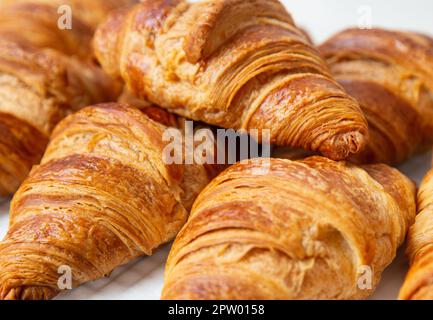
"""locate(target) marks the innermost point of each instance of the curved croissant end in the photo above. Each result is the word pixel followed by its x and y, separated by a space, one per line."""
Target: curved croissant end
pixel 28 293
pixel 234 64
pixel 419 280
pixel 101 197
pixel 390 75
pixel 291 230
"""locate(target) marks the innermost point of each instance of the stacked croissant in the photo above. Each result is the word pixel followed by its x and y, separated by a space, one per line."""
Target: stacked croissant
pixel 84 111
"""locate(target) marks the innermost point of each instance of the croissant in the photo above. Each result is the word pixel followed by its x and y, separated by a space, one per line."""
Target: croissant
pixel 419 280
pixel 102 196
pixel 308 229
pixel 240 64
pixel 36 23
pixel 390 74
pixel 40 83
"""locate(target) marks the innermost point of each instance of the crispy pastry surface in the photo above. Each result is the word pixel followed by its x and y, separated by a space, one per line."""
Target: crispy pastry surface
pixel 101 197
pixel 239 64
pixel 45 74
pixel 290 230
pixel 419 280
pixel 391 75
pixel 41 23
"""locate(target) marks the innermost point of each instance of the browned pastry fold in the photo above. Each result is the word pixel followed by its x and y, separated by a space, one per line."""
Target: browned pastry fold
pixel 45 74
pixel 36 23
pixel 239 64
pixel 290 230
pixel 101 197
pixel 37 89
pixel 419 280
pixel 390 73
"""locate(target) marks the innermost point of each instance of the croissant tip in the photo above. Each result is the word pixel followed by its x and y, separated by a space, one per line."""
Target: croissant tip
pixel 28 293
pixel 343 146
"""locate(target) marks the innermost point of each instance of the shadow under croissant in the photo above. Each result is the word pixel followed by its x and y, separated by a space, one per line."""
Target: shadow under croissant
pixel 143 269
pixel 391 278
pixel 3 201
pixel 417 166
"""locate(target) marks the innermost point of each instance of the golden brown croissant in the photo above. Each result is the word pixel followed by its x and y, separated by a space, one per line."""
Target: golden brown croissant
pixel 37 89
pixel 291 230
pixel 419 281
pixel 40 83
pixel 101 197
pixel 391 75
pixel 239 64
pixel 36 22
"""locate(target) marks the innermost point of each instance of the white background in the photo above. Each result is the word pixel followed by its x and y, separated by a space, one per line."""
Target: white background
pixel 143 278
pixel 322 18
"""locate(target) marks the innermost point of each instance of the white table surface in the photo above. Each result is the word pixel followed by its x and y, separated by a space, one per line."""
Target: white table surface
pixel 143 279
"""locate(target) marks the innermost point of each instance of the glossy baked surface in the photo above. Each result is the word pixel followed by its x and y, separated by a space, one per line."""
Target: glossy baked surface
pixel 101 197
pixel 419 280
pixel 290 230
pixel 235 64
pixel 45 74
pixel 390 75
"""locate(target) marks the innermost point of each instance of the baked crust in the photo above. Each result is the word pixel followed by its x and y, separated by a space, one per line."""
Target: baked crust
pixel 234 64
pixel 390 75
pixel 283 229
pixel 101 197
